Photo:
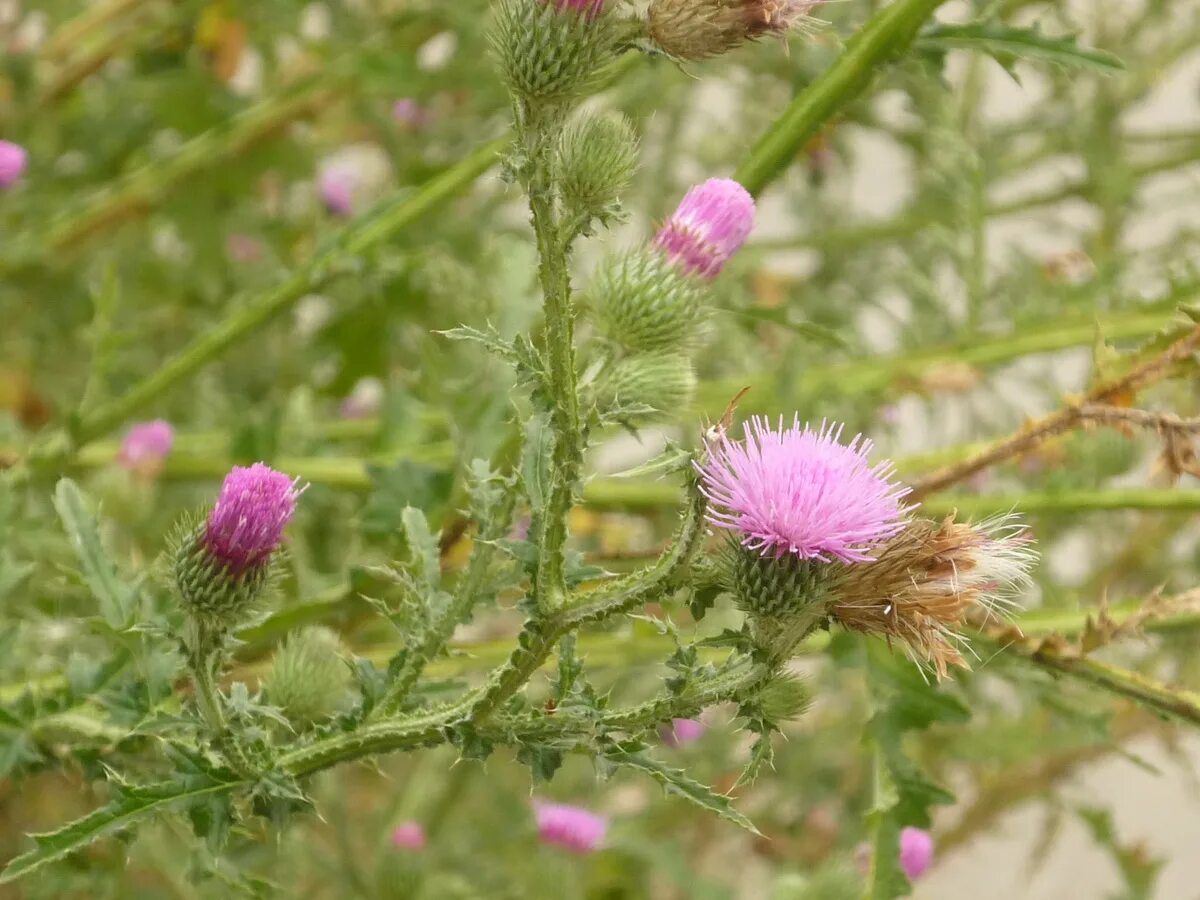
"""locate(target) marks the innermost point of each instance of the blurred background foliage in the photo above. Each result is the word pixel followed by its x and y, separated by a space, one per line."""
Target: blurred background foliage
pixel 973 242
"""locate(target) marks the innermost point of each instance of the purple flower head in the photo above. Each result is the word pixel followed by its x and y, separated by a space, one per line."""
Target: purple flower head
pixel 711 224
pixel 682 732
pixel 13 160
pixel 409 836
pixel 801 491
pixel 336 187
pixel 242 248
pixel 364 400
pixel 570 827
pixel 916 852
pixel 146 445
pixel 588 8
pixel 408 112
pixel 246 525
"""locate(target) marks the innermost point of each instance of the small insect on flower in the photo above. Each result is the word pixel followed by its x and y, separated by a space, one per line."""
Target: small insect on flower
pixel 801 492
pixel 711 224
pixel 926 580
pixel 146 446
pixel 570 827
pixel 13 160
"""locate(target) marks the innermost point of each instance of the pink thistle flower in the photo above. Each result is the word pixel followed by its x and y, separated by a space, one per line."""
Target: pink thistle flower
pixel 409 836
pixel 570 827
pixel 682 732
pixel 336 187
pixel 711 224
pixel 800 491
pixel 246 525
pixel 13 160
pixel 364 400
pixel 588 8
pixel 916 852
pixel 408 112
pixel 145 446
pixel 241 248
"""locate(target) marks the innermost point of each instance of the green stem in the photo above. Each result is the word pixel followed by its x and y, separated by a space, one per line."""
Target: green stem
pixel 541 634
pixel 886 34
pixel 536 134
pixel 254 312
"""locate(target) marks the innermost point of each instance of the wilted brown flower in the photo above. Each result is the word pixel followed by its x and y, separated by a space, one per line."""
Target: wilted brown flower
pixel 923 582
pixel 698 29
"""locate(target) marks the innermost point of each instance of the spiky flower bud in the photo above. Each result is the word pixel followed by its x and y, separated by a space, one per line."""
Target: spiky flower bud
pixel 925 580
pixel 784 698
pixel 551 49
pixel 13 160
pixel 643 303
pixel 711 224
pixel 308 678
pixel 222 564
pixel 794 500
pixel 650 386
pixel 597 156
pixel 698 29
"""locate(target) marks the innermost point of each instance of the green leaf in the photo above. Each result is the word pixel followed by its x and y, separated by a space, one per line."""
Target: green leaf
pixel 679 783
pixel 423 547
pixel 535 465
pixel 133 805
pixel 405 484
pixel 117 599
pixel 1008 44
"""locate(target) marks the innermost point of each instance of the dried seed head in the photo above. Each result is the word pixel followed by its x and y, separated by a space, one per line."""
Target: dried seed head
pixel 924 581
pixel 698 29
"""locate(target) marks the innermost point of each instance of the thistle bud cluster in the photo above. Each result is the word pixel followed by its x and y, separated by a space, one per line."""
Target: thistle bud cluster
pixel 649 302
pixel 821 535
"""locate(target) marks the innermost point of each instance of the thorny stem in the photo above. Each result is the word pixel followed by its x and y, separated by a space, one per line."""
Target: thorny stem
pixel 535 134
pixel 1153 370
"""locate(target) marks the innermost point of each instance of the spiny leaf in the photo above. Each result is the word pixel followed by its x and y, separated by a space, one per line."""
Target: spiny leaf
pixel 1007 44
pixel 117 599
pixel 422 547
pixel 134 803
pixel 679 783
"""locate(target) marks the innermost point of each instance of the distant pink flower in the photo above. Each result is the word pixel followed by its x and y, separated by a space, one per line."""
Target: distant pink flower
pixel 409 836
pixel 246 524
pixel 520 529
pixel 242 248
pixel 711 224
pixel 589 8
pixel 800 491
pixel 410 113
pixel 916 852
pixel 146 445
pixel 336 187
pixel 364 400
pixel 13 160
pixel 682 732
pixel 570 827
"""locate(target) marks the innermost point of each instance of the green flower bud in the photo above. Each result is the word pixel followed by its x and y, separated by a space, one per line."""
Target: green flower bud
pixel 643 303
pixel 308 678
pixel 651 386
pixel 785 597
pixel 551 50
pixel 208 590
pixel 784 697
pixel 597 156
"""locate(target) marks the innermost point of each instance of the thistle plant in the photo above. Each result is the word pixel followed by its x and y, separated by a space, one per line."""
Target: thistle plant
pixel 420 582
